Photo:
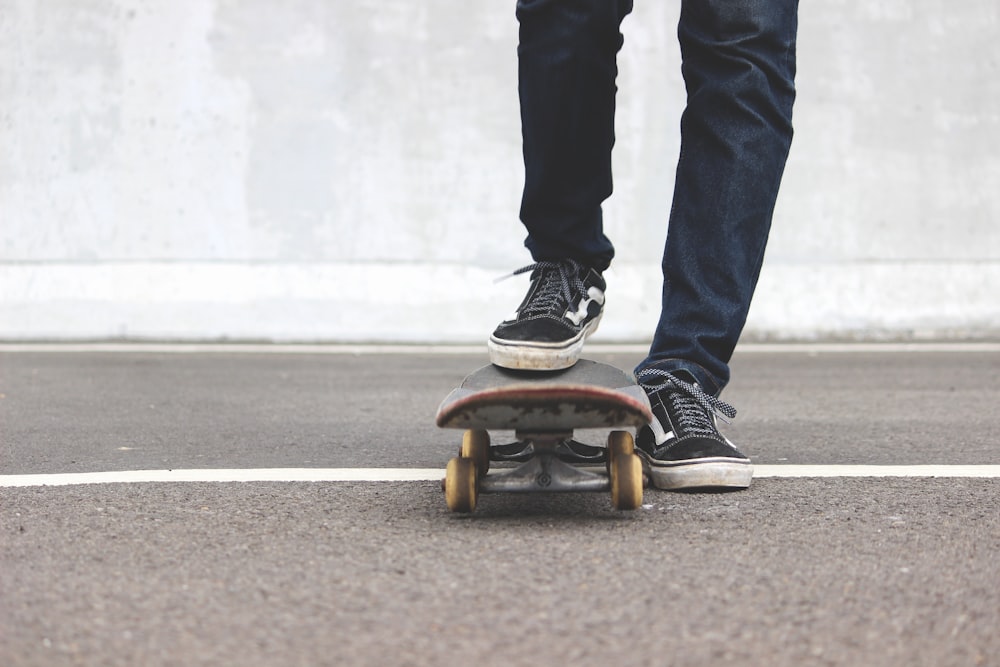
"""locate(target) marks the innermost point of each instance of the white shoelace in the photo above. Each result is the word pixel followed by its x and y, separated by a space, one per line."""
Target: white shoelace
pixel 555 292
pixel 694 408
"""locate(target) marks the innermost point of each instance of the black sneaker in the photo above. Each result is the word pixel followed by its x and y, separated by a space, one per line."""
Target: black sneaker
pixel 682 447
pixel 562 308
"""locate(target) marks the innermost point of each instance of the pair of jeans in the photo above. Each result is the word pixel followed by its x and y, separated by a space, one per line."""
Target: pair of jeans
pixel 738 64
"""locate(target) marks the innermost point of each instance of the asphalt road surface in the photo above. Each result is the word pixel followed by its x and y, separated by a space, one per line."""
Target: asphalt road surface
pixel 800 570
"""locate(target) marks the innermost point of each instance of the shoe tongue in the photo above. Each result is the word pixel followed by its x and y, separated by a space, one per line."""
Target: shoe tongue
pixel 549 271
pixel 684 376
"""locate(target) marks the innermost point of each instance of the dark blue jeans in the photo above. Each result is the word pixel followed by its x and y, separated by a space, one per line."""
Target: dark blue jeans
pixel 739 69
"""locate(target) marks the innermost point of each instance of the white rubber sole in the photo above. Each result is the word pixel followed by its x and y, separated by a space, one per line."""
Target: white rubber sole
pixel 540 356
pixel 710 473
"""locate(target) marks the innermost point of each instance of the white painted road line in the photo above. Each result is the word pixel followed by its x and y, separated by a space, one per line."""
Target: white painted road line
pixel 436 474
pixel 876 470
pixel 228 475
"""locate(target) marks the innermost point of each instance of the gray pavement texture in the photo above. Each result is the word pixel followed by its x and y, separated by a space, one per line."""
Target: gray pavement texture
pixel 84 412
pixel 789 572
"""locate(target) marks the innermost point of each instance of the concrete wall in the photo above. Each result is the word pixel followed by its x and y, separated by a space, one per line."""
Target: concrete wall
pixel 315 170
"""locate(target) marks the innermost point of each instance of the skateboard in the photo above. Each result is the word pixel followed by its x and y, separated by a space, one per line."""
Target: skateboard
pixel 543 408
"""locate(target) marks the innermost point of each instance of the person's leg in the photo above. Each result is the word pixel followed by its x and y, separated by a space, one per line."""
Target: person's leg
pixel 566 83
pixel 566 86
pixel 739 69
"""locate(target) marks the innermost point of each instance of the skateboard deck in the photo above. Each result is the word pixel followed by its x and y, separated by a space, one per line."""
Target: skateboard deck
pixel 544 408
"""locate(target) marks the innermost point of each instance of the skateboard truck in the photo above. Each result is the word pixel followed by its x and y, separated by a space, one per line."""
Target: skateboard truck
pixel 544 471
pixel 466 475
